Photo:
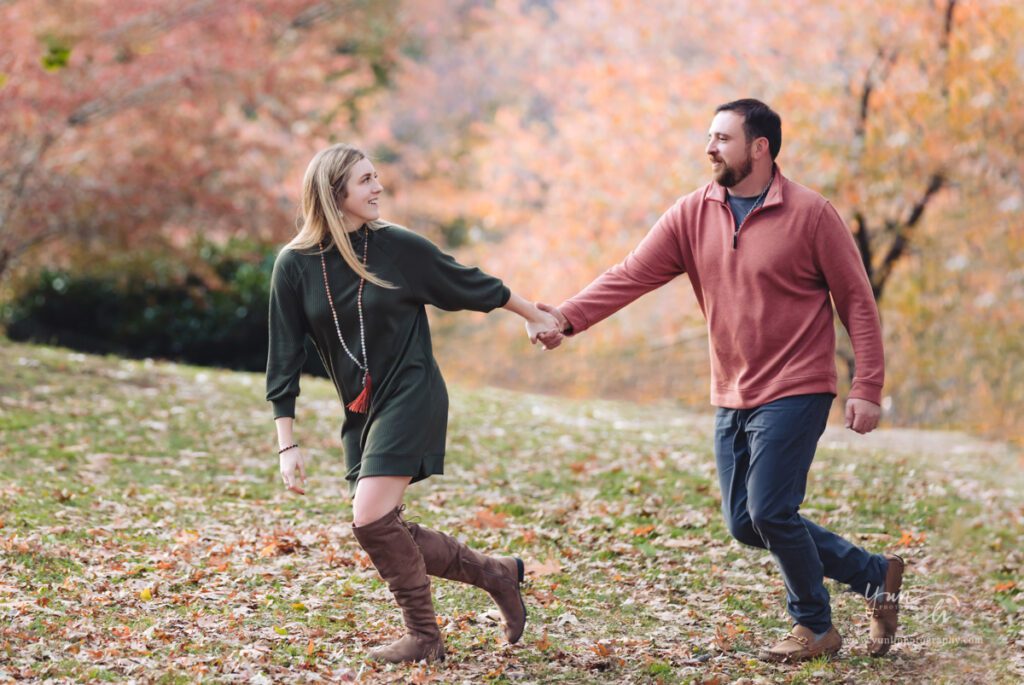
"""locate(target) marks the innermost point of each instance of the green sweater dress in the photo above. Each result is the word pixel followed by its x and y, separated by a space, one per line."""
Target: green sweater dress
pixel 403 434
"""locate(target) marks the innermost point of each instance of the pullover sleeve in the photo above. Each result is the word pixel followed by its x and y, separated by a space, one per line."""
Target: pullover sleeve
pixel 841 264
pixel 287 352
pixel 437 279
pixel 654 262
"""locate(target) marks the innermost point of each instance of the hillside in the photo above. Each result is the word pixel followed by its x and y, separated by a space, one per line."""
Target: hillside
pixel 145 535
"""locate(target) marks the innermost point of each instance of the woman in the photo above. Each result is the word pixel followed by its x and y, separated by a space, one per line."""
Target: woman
pixel 357 286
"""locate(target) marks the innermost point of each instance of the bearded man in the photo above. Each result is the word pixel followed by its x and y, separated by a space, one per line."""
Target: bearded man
pixel 767 258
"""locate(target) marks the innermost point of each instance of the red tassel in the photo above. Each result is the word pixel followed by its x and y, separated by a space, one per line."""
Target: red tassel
pixel 361 404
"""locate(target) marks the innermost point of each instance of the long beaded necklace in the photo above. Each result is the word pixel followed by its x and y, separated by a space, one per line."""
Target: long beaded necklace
pixel 361 404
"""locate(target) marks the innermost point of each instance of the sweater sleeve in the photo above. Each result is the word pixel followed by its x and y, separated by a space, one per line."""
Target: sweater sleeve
pixel 287 352
pixel 654 262
pixel 841 264
pixel 437 279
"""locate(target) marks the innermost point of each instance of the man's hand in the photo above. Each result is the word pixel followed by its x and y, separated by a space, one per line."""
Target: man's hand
pixel 553 338
pixel 540 324
pixel 862 416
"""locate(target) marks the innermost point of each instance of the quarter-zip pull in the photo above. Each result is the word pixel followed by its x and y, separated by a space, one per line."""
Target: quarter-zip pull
pixel 736 231
pixel 758 203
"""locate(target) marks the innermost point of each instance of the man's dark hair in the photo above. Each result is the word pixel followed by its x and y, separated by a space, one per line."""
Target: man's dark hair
pixel 759 121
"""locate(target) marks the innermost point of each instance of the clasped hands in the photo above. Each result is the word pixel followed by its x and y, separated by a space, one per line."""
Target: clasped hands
pixel 548 327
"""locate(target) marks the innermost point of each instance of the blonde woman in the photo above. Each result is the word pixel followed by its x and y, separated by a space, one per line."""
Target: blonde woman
pixel 357 287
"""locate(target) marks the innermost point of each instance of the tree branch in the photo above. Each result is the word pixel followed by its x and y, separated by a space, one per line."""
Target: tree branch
pixel 883 61
pixel 935 184
pixel 944 39
pixel 947 29
pixel 315 14
pixel 102 107
pixel 863 239
pixel 147 27
pixel 902 231
pixel 19 185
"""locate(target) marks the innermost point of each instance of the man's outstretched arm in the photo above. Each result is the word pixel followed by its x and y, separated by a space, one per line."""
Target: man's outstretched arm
pixel 655 261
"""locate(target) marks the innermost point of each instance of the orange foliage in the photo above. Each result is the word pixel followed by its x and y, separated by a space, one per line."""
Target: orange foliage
pixel 906 115
pixel 540 141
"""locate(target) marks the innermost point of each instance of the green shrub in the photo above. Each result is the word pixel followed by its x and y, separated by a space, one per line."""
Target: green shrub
pixel 209 308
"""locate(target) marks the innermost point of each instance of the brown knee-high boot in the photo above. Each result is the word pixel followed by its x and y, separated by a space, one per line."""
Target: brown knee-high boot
pixel 500 577
pixel 398 560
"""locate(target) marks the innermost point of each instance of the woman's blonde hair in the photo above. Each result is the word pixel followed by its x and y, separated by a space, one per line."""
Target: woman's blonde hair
pixel 323 189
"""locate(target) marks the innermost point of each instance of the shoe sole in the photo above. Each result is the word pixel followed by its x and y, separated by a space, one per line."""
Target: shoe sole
pixel 520 575
pixel 785 659
pixel 903 570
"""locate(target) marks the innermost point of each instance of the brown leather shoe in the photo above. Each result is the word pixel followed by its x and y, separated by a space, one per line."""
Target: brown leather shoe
pixel 885 608
pixel 500 577
pixel 398 560
pixel 800 645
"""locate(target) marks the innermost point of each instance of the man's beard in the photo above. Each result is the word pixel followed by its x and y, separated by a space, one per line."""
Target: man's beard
pixel 729 176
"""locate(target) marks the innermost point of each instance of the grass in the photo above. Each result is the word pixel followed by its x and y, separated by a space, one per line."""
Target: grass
pixel 144 535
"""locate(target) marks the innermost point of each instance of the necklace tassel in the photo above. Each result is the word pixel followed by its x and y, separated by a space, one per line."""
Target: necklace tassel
pixel 361 404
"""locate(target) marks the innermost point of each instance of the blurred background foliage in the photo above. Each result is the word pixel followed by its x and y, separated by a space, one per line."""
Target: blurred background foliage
pixel 151 158
pixel 207 310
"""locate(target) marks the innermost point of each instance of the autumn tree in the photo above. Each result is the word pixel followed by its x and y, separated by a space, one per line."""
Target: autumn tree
pixel 541 140
pixel 578 123
pixel 143 122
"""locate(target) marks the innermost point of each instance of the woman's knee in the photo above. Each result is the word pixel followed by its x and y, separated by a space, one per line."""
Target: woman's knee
pixel 376 497
pixel 364 516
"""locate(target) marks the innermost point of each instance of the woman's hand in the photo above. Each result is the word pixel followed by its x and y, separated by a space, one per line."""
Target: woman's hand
pixel 293 469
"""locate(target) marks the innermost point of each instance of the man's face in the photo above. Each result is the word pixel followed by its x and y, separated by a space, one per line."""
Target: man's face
pixel 728 149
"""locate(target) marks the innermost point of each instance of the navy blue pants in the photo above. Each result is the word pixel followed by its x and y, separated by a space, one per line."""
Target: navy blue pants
pixel 764 455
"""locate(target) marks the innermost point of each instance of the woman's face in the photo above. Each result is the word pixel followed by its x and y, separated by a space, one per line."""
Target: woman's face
pixel 363 192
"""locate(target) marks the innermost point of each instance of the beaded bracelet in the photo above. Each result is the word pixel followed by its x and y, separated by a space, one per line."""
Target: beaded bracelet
pixel 285 449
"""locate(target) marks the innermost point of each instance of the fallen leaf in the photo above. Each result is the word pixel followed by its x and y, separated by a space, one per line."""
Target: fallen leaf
pixel 724 639
pixel 545 568
pixel 186 537
pixel 486 518
pixel 568 618
pixel 491 616
pixel 545 598
pixel 543 644
pixel 682 543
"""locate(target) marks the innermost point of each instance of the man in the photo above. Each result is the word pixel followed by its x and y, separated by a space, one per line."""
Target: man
pixel 764 255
